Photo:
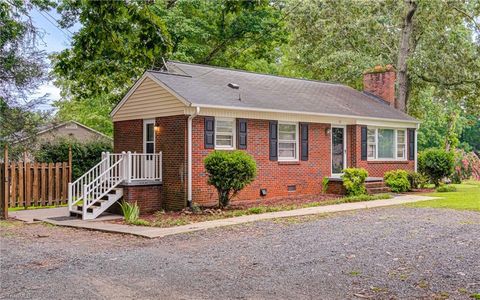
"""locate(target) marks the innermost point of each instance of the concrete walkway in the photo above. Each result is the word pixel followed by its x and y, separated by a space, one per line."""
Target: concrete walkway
pixel 155 232
pixel 40 214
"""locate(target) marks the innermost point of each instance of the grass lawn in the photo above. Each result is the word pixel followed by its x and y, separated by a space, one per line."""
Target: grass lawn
pixel 467 197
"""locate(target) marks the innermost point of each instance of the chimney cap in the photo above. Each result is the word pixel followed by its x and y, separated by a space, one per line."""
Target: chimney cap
pixel 380 69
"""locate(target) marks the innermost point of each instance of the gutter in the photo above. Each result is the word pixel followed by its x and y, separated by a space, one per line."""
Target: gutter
pixel 189 164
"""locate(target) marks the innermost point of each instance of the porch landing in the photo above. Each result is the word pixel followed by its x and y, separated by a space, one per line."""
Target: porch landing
pixel 374 185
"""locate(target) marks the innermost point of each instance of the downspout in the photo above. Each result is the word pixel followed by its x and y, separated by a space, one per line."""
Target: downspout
pixel 190 142
pixel 416 149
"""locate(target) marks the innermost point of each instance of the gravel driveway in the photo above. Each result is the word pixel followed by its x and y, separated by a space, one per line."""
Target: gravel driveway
pixel 387 253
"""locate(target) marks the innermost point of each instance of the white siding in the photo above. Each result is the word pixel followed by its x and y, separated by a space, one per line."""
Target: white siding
pixel 149 101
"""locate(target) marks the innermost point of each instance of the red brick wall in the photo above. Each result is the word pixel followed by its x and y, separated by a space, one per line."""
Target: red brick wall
pixel 148 197
pixel 128 136
pixel 171 139
pixel 374 168
pixel 272 175
pixel 381 84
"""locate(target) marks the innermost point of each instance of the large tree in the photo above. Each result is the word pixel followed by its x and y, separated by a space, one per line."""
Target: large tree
pixel 23 69
pixel 120 39
pixel 434 46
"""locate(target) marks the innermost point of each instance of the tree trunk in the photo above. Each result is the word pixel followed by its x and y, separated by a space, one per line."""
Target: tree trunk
pixel 403 54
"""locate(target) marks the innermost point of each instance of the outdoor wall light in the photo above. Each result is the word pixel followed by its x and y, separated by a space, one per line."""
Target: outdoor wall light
pixel 328 131
pixel 263 192
pixel 157 129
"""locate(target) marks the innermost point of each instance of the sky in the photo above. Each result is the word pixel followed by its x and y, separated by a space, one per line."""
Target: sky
pixel 54 40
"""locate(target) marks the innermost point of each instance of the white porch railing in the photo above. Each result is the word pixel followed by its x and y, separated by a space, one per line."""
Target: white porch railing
pixel 113 169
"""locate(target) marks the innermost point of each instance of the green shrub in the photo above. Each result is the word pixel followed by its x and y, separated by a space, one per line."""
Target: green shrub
pixel 446 188
pixel 325 181
pixel 84 155
pixel 436 164
pixel 417 180
pixel 397 181
pixel 354 181
pixel 130 211
pixel 229 172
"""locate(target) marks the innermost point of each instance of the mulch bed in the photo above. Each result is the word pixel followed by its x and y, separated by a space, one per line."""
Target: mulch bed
pixel 186 216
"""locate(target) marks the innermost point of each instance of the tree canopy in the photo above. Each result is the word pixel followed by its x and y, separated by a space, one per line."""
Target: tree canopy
pixel 434 45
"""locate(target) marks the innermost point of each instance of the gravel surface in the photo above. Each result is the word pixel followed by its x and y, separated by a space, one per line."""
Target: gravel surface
pixel 387 253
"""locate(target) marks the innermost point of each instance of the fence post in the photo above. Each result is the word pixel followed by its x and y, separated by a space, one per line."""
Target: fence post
pixel 70 171
pixel 129 167
pixel 5 186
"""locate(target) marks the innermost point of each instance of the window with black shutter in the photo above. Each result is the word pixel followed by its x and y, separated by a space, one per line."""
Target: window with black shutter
pixel 364 142
pixel 209 132
pixel 273 139
pixel 411 144
pixel 241 134
pixel 304 141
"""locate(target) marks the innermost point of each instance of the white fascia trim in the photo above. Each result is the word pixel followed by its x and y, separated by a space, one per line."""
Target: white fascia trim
pixel 138 83
pixel 304 113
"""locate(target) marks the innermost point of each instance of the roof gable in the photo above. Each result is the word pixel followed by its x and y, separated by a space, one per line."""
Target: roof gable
pixel 149 98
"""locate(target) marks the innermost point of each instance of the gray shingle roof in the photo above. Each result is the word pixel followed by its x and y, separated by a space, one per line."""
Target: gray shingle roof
pixel 207 85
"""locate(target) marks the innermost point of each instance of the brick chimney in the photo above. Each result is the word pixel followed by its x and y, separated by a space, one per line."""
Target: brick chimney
pixel 380 81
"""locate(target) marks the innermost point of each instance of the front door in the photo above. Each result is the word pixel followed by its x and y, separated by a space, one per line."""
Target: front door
pixel 148 163
pixel 339 150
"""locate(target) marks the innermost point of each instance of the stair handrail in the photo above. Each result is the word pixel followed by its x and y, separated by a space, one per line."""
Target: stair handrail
pixel 75 189
pixel 104 180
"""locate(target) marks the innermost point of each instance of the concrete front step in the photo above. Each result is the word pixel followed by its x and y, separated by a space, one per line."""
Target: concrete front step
pixel 378 190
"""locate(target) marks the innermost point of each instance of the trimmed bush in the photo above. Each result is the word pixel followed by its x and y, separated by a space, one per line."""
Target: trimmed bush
pixel 354 181
pixel 229 172
pixel 84 155
pixel 436 164
pixel 417 180
pixel 397 181
pixel 446 188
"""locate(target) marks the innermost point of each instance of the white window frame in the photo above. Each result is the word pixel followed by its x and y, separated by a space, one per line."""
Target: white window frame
pixel 145 122
pixel 234 135
pixel 297 147
pixel 395 137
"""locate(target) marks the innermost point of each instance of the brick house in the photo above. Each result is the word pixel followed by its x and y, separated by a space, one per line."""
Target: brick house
pixel 298 131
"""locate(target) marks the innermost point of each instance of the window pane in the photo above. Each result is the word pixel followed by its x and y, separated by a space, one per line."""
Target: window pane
pixel 149 133
pixel 286 136
pixel 386 143
pixel 287 127
pixel 224 133
pixel 286 150
pixel 149 147
pixel 401 151
pixel 400 137
pixel 371 151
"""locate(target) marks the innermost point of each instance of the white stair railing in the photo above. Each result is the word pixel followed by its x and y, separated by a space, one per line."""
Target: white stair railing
pixel 113 169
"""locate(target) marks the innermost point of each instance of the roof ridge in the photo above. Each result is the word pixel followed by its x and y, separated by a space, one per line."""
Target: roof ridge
pixel 252 72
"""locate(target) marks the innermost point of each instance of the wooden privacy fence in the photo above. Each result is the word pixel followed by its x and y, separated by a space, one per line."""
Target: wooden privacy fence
pixel 36 184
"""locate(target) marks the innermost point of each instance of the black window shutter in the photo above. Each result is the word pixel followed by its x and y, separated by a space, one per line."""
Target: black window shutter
pixel 273 140
pixel 241 133
pixel 209 132
pixel 364 142
pixel 411 144
pixel 304 141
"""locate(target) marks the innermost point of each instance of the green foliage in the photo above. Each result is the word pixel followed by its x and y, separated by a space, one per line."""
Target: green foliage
pixel 417 180
pixel 130 212
pixel 397 181
pixel 325 181
pixel 354 181
pixel 23 69
pixel 119 40
pixel 436 164
pixel 467 165
pixel 229 172
pixel 446 188
pixel 84 155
